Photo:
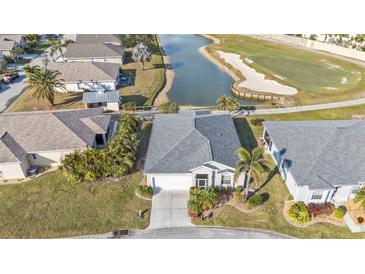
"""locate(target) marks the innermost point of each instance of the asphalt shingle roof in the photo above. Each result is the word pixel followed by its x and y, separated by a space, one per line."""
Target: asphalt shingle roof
pixel 100 97
pixel 189 139
pixel 322 154
pixel 72 72
pixel 96 50
pixel 97 38
pixel 48 130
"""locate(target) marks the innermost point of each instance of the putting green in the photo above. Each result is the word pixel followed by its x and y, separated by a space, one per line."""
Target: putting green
pixel 318 77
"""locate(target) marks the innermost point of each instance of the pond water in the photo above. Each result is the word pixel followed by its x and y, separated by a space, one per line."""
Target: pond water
pixel 197 80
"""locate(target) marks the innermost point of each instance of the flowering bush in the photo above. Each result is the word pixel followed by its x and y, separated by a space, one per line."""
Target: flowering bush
pixel 320 209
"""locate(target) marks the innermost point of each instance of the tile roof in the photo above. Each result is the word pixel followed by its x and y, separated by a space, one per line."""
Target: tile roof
pixel 100 97
pixel 189 139
pixel 321 154
pixel 84 71
pixel 93 50
pixel 48 131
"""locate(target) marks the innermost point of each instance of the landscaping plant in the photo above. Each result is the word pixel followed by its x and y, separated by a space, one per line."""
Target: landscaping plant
pixel 320 209
pixel 360 220
pixel 169 107
pixel 340 212
pixel 227 103
pixel 145 190
pixel 114 161
pixel 360 197
pixel 299 213
pixel 202 199
pixel 254 201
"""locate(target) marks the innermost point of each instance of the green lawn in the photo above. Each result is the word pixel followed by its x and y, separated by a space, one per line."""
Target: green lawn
pixel 48 207
pixel 148 82
pixel 316 76
pixel 269 216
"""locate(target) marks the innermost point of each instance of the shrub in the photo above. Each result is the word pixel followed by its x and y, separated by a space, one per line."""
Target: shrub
pixel 254 201
pixel 340 212
pixel 169 107
pixel 238 190
pixel 299 213
pixel 320 209
pixel 145 190
pixel 129 106
pixel 360 220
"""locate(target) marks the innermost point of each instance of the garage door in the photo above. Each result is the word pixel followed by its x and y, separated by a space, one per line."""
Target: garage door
pixel 178 181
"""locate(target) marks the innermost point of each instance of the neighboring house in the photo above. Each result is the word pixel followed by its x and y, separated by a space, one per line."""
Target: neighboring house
pixel 9 41
pixel 97 38
pixel 83 76
pixel 94 52
pixel 320 161
pixel 42 138
pixel 109 100
pixel 192 148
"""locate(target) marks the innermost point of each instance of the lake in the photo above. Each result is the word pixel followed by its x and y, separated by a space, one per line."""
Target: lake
pixel 197 80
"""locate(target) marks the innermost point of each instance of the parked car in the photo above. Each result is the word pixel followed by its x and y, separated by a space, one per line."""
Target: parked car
pixel 8 78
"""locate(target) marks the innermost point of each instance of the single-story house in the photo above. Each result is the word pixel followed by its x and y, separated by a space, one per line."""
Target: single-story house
pixel 10 41
pixel 83 76
pixel 192 148
pixel 109 100
pixel 320 161
pixel 42 138
pixel 94 52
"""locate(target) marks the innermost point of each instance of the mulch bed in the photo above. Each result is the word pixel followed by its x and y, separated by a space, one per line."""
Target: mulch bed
pixel 318 219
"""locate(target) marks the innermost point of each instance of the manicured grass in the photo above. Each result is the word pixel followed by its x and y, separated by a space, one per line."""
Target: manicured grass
pixel 269 216
pixel 316 76
pixel 25 102
pixel 146 83
pixel 49 207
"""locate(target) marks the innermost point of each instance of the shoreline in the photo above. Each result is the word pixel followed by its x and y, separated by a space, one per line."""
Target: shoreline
pixel 211 58
pixel 161 97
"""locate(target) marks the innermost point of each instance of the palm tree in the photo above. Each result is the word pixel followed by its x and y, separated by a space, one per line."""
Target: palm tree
pixel 29 69
pixel 209 198
pixel 44 83
pixel 141 54
pixel 15 52
pixel 251 164
pixel 227 103
pixel 58 46
pixel 360 197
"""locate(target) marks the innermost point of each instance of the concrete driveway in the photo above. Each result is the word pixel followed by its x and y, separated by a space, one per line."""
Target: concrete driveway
pixel 9 93
pixel 169 209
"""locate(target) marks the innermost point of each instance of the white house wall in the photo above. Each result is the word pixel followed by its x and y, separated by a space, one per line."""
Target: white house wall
pixel 49 158
pixel 77 87
pixel 14 170
pixel 103 60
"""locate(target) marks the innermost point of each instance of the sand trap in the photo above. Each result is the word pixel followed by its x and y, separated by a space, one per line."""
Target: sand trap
pixel 254 80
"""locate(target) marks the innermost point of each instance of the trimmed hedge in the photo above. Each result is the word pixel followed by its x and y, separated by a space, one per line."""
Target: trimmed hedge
pixel 299 213
pixel 254 201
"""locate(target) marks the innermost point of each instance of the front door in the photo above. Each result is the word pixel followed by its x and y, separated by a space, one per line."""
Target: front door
pixel 201 180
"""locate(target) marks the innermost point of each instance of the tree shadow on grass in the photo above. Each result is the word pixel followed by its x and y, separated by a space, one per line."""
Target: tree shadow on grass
pixel 138 99
pixel 271 174
pixel 71 99
pixel 245 134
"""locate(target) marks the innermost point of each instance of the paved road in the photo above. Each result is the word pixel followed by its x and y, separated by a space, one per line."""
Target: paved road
pixel 194 233
pixel 9 93
pixel 308 108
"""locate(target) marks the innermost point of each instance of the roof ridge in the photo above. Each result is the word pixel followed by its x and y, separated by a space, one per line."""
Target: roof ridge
pixel 208 141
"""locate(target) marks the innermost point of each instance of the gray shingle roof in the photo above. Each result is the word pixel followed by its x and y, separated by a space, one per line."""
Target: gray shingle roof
pixel 10 150
pixel 72 72
pixel 38 131
pixel 100 97
pixel 181 142
pixel 96 50
pixel 97 38
pixel 322 154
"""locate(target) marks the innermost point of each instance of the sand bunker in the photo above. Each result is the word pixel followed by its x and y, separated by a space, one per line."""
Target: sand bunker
pixel 255 81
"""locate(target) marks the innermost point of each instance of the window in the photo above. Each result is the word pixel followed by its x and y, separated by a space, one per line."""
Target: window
pixel 34 156
pixel 316 195
pixel 201 180
pixel 226 179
